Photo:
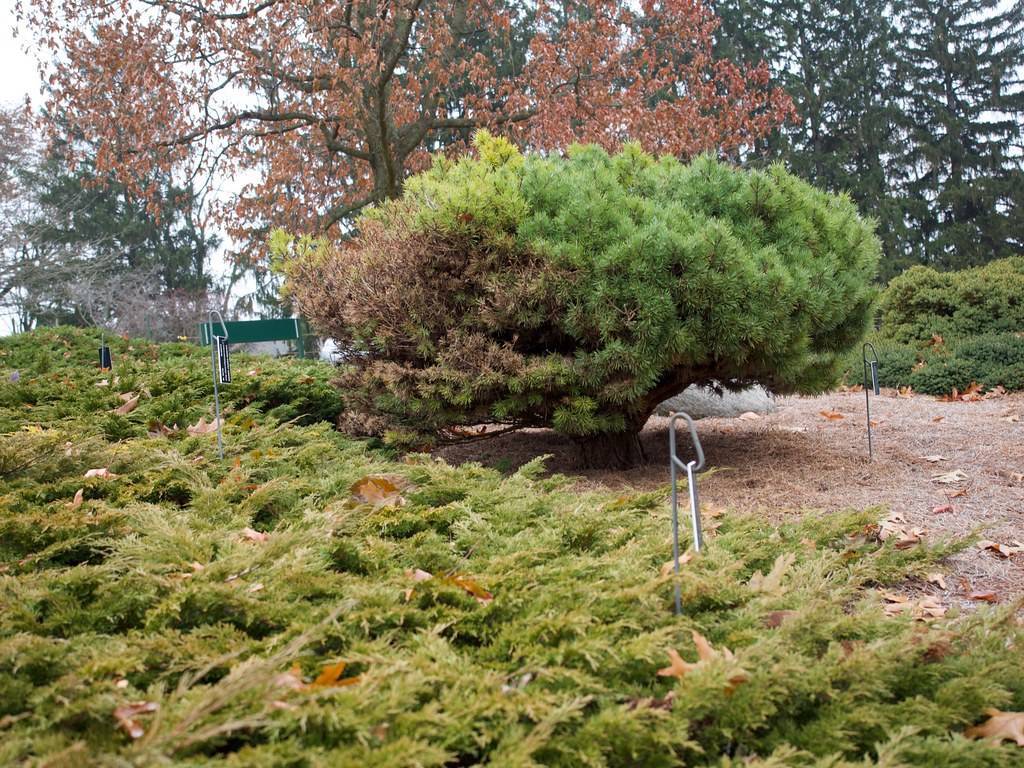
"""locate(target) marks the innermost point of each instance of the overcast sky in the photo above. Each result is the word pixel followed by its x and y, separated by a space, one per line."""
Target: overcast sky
pixel 18 74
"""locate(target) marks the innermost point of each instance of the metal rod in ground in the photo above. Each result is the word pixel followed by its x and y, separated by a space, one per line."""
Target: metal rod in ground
pixel 698 534
pixel 675 527
pixel 216 391
pixel 691 470
pixel 871 365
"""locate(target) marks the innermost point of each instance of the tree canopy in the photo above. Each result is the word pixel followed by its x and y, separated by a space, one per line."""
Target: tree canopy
pixel 329 106
pixel 580 292
pixel 914 107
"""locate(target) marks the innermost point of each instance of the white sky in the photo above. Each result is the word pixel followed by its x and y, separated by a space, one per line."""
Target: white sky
pixel 18 74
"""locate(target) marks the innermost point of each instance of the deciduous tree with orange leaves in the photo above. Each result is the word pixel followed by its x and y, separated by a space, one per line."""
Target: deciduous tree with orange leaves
pixel 325 107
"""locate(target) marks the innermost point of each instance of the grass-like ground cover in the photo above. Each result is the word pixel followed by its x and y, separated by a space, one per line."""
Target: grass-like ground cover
pixel 192 611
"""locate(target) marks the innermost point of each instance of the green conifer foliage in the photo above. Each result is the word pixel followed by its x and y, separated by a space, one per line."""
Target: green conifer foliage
pixel 961 66
pixel 579 292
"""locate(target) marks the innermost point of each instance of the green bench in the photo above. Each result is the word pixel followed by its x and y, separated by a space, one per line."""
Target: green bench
pixel 252 331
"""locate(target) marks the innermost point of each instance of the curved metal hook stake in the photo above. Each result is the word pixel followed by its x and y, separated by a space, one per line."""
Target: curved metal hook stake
pixel 870 367
pixel 213 364
pixel 691 468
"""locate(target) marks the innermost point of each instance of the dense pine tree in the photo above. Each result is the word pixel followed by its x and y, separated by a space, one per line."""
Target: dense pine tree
pixel 913 107
pixel 961 171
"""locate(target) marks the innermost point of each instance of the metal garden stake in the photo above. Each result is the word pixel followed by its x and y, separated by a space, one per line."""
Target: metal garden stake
pixel 105 363
pixel 220 361
pixel 870 375
pixel 691 468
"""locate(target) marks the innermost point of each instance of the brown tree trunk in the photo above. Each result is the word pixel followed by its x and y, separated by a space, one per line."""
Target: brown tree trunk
pixel 623 450
pixel 617 450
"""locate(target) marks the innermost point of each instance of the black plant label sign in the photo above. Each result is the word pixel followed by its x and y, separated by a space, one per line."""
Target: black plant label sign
pixel 223 359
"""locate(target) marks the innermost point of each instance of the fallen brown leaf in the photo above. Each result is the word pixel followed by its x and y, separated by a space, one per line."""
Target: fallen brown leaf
pixel 775 619
pixel 669 568
pixel 1000 726
pixel 997 391
pixel 772 582
pixel 331 676
pixel 419 574
pixel 103 473
pixel 126 714
pixel 378 491
pixel 664 703
pixel 941 509
pixel 253 535
pixel 76 502
pixel 1003 550
pixel 129 405
pixel 937 579
pixel 949 478
pixel 987 597
pixel 482 595
pixel 202 427
pixel 706 654
pixel 831 415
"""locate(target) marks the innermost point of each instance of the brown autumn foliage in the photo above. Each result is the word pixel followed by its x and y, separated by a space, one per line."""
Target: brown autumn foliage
pixel 331 105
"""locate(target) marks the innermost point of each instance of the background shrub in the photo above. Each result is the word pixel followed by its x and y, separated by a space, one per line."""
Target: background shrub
pixel 922 302
pixel 990 360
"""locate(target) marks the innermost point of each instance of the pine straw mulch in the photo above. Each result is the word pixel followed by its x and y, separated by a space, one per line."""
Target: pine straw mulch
pixel 797 460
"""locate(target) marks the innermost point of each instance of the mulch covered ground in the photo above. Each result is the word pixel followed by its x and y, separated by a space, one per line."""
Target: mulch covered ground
pixel 949 468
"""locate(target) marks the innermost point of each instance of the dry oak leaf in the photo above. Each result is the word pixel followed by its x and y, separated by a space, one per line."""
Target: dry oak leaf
pixel 131 402
pixel 203 427
pixel 772 583
pixel 937 579
pixel 126 714
pixel 831 415
pixel 669 568
pixel 378 491
pixel 1000 726
pixel 462 582
pixel 250 534
pixel 653 703
pixel 1003 550
pixel 706 654
pixel 103 473
pixel 928 608
pixel 482 595
pixel 775 619
pixel 985 597
pixel 331 676
pixel 949 478
pixel 895 603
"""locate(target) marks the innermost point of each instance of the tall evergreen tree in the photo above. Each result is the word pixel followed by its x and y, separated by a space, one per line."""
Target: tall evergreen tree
pixel 962 172
pixel 911 106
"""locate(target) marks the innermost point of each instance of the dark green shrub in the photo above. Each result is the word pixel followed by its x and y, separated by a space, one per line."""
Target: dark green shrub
pixel 993 359
pixel 922 302
pixel 579 292
pixel 941 376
